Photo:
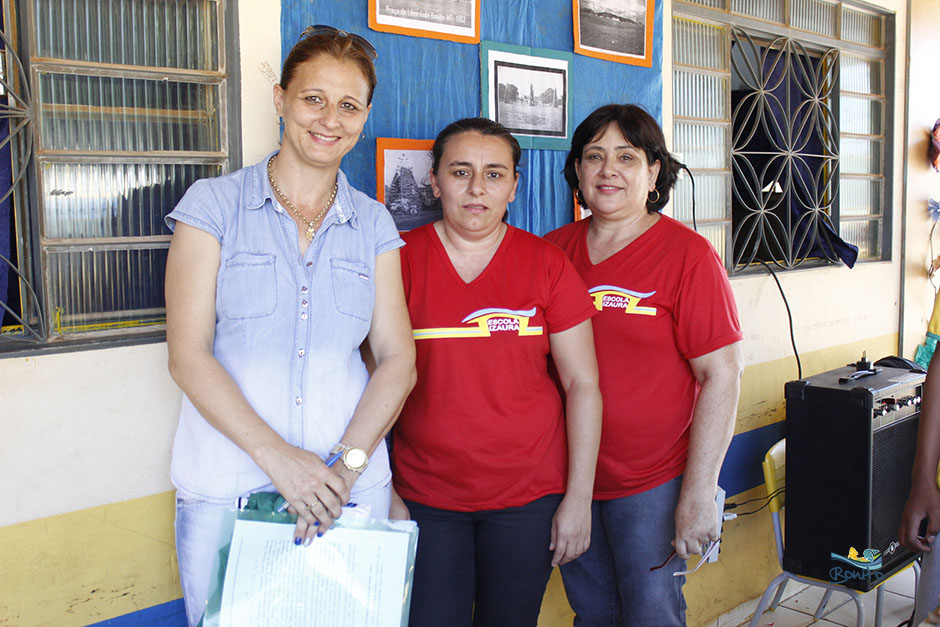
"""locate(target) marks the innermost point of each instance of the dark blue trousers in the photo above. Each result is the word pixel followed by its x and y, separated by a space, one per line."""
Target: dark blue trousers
pixel 482 569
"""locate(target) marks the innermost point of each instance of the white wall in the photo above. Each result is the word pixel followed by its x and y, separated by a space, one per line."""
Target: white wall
pixel 260 48
pixel 84 429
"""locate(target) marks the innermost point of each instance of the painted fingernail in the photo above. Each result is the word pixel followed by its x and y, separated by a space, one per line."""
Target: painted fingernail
pixel 316 523
pixel 297 541
pixel 319 534
pixel 308 541
pixel 352 505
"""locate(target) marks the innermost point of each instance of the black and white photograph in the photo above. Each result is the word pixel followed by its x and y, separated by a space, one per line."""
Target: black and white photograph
pixel 530 100
pixel 527 92
pixel 615 30
pixel 404 168
pixel 454 20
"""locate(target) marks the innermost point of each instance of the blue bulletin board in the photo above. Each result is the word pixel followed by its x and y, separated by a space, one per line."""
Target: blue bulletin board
pixel 425 84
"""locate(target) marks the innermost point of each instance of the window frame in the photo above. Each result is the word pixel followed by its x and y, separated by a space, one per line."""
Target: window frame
pixel 33 249
pixel 725 19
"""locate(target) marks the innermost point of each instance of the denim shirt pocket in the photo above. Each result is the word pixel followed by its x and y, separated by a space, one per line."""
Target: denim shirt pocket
pixel 352 288
pixel 248 288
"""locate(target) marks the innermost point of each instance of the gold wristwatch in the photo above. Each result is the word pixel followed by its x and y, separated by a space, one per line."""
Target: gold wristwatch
pixel 355 459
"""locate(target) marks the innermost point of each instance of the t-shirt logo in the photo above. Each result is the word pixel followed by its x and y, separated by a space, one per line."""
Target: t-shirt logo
pixel 613 297
pixel 485 322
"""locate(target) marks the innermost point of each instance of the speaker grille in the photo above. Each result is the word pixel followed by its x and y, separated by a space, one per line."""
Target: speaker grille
pixel 892 454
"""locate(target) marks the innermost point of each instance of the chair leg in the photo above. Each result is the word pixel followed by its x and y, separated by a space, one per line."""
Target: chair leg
pixel 779 581
pixel 822 604
pixel 879 605
pixel 859 609
pixel 779 595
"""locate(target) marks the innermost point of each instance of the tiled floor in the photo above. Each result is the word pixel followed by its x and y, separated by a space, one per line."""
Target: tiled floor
pixel 796 610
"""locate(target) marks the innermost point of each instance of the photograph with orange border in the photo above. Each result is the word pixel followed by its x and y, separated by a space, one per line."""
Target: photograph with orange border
pixel 403 183
pixel 614 30
pixel 450 20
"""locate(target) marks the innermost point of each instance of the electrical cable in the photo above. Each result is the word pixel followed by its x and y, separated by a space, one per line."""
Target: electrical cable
pixel 682 166
pixel 762 506
pixel 796 353
pixel 762 498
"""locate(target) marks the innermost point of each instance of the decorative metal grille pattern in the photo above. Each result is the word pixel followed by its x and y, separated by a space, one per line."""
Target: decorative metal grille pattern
pixel 16 148
pixel 785 152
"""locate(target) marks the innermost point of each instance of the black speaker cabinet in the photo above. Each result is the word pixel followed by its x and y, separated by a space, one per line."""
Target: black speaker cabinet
pixel 850 449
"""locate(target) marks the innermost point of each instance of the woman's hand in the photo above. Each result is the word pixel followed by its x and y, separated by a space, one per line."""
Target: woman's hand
pixel 316 492
pixel 696 523
pixel 571 529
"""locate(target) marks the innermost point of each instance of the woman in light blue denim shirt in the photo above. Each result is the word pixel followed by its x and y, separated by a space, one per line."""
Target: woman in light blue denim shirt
pixel 277 273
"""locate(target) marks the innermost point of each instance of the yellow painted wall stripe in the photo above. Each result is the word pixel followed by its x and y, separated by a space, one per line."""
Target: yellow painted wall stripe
pixel 90 565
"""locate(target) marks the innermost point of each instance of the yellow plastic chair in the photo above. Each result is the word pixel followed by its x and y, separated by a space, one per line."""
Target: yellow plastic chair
pixel 775 477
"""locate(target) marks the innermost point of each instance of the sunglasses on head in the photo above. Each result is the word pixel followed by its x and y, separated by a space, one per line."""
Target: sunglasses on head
pixel 323 29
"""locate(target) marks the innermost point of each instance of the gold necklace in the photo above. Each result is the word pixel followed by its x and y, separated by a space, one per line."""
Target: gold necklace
pixel 311 228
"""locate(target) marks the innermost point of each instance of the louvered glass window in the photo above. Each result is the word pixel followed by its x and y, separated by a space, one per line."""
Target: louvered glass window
pixel 129 99
pixel 701 126
pixel 786 138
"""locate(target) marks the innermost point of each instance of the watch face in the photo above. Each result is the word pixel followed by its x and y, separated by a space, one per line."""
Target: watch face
pixel 356 458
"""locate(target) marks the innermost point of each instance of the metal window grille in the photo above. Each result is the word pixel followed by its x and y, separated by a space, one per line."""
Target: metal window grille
pixel 121 105
pixel 797 157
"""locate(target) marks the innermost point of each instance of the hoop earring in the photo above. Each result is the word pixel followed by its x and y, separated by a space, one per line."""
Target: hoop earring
pixel 580 197
pixel 653 200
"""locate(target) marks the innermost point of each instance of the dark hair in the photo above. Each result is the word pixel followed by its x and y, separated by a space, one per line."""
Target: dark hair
pixel 483 126
pixel 642 131
pixel 339 45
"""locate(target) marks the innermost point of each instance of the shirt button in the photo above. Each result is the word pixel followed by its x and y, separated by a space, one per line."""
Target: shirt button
pixel 309 263
pixel 298 400
pixel 303 303
pixel 303 316
pixel 301 352
pixel 303 290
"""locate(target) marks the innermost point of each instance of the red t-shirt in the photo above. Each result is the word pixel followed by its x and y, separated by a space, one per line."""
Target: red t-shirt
pixel 484 427
pixel 664 299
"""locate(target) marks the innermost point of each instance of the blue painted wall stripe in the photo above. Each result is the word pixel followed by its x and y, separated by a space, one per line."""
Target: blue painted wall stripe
pixel 742 468
pixel 170 614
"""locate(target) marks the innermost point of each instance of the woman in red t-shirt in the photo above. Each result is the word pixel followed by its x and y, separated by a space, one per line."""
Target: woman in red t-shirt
pixel 670 359
pixel 494 466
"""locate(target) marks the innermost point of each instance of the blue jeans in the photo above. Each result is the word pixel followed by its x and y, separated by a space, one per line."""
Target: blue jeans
pixel 486 568
pixel 611 584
